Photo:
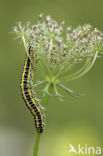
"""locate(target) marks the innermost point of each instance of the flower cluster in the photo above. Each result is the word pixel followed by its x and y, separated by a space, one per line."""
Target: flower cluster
pixel 80 45
pixel 82 42
pixel 47 38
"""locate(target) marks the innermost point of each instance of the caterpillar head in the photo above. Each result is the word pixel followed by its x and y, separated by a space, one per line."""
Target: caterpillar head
pixel 31 50
pixel 31 53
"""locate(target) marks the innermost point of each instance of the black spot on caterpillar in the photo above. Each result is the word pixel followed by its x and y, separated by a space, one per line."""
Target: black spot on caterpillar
pixel 28 94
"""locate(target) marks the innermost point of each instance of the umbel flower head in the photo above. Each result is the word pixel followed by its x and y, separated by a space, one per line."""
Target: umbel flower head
pixel 57 54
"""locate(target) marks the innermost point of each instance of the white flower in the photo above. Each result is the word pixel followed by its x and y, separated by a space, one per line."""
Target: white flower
pixel 80 45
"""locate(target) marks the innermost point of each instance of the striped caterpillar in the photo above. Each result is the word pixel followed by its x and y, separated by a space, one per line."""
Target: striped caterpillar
pixel 28 93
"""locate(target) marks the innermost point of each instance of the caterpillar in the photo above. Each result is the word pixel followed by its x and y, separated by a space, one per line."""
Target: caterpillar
pixel 28 93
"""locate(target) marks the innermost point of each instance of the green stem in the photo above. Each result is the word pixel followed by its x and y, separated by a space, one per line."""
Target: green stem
pixel 36 145
pixel 64 70
pixel 47 96
pixel 85 71
pixel 24 42
pixel 37 141
pixel 87 66
pixel 23 37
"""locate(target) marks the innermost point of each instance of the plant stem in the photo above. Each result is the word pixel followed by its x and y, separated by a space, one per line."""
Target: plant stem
pixel 36 145
pixel 37 141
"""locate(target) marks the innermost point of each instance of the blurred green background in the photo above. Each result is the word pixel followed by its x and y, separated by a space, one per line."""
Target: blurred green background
pixel 76 121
